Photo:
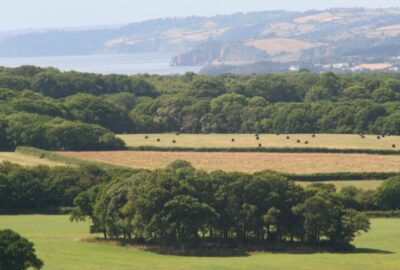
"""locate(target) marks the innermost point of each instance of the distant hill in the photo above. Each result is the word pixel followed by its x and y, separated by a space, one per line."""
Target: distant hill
pixel 345 38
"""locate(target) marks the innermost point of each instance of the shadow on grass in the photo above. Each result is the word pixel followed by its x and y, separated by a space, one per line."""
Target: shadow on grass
pixel 238 251
pixel 371 251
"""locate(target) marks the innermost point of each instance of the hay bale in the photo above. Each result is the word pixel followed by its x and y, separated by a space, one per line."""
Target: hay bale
pixel 383 135
pixel 306 142
pixel 233 140
pixel 158 140
pixel 313 135
pixel 298 141
pixel 178 133
pixel 174 141
pixel 257 138
pixel 278 134
pixel 393 146
pixel 260 145
pixel 378 137
pixel 362 136
pixel 146 137
pixel 287 137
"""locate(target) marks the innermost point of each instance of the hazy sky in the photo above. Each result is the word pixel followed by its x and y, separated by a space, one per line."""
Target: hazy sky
pixel 24 14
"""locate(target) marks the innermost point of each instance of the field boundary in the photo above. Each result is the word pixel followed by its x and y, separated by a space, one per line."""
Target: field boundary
pixel 315 177
pixel 265 150
pixel 53 156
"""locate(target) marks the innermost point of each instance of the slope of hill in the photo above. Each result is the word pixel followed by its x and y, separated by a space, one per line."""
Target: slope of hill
pixel 352 36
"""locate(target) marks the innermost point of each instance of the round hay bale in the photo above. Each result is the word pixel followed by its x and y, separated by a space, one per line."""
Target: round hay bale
pixel 158 140
pixel 393 146
pixel 146 137
pixel 287 137
pixel 378 137
pixel 257 138
pixel 306 142
pixel 298 141
pixel 313 135
pixel 174 141
pixel 362 136
pixel 233 140
pixel 260 145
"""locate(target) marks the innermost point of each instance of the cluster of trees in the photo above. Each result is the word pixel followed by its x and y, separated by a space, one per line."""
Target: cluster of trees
pixel 184 206
pixel 17 253
pixel 180 205
pixel 78 111
pixel 41 188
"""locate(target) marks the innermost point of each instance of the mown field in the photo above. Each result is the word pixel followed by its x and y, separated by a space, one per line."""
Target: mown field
pixel 296 163
pixel 59 243
pixel 364 185
pixel 26 160
pixel 339 141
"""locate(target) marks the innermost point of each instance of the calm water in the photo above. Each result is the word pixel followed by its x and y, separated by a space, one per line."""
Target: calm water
pixel 153 63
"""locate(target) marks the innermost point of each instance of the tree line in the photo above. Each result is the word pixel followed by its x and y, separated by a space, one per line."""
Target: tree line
pixel 182 206
pixel 57 110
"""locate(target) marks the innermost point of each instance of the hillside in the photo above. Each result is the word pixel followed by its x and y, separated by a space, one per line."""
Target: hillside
pixel 335 39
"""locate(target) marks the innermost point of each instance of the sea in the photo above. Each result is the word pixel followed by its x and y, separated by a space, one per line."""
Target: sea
pixel 143 63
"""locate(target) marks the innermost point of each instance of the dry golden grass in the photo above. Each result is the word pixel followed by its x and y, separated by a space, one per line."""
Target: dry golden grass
pixel 364 185
pixel 26 160
pixel 320 17
pixel 279 45
pixel 267 140
pixel 378 66
pixel 249 162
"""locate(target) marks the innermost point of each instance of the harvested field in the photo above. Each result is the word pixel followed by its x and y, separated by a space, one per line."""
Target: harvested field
pixel 249 162
pixel 267 140
pixel 279 45
pixel 320 17
pixel 375 66
pixel 364 185
pixel 26 160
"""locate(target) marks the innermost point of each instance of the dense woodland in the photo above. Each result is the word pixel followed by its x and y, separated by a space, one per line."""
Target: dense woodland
pixel 50 109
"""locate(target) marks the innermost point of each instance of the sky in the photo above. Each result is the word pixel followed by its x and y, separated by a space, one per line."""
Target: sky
pixel 38 14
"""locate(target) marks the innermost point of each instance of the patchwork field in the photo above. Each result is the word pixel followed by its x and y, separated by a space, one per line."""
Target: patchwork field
pixel 279 45
pixel 26 160
pixel 58 243
pixel 365 185
pixel 299 163
pixel 267 140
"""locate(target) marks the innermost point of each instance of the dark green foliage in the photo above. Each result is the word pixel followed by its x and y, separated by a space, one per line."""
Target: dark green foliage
pixel 299 102
pixel 17 253
pixel 182 206
pixel 389 194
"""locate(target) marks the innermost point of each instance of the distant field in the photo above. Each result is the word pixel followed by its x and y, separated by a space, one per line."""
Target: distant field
pixel 298 163
pixel 364 185
pixel 280 45
pixel 26 160
pixel 247 140
pixel 58 243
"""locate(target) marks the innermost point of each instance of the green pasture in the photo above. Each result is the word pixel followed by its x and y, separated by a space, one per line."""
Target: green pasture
pixel 59 243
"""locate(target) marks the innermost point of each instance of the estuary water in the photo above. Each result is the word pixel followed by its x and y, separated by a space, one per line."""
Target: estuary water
pixel 151 63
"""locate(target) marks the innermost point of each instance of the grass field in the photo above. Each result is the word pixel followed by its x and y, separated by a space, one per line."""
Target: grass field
pixel 26 160
pixel 365 185
pixel 339 141
pixel 58 243
pixel 298 163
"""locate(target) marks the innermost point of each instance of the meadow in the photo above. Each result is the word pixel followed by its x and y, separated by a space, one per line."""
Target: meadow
pixel 27 160
pixel 59 243
pixel 296 163
pixel 336 141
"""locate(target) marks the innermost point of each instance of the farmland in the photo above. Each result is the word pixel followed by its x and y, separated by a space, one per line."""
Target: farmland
pixel 336 141
pixel 26 160
pixel 299 163
pixel 59 243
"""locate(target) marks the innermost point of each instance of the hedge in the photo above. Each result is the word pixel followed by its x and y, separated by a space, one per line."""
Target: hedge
pixel 265 150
